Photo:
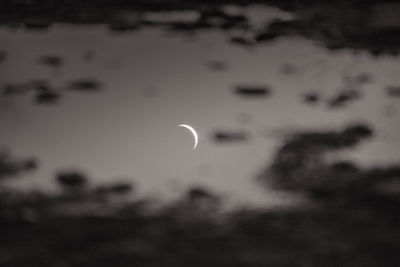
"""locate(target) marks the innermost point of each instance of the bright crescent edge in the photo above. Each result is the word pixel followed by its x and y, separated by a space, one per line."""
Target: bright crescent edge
pixel 193 132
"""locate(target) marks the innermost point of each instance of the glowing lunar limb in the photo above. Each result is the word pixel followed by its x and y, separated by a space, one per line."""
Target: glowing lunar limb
pixel 190 128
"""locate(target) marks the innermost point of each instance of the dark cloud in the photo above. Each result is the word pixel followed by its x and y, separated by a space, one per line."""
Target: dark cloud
pixel 311 98
pixel 276 29
pixel 335 25
pixel 48 97
pixel 85 85
pixel 251 91
pixel 333 140
pixel 37 24
pixel 225 21
pixel 118 188
pixel 51 61
pixel 230 137
pixel 123 27
pixel 15 89
pixel 11 167
pixel 299 163
pixel 72 180
pixel 44 91
pixel 45 94
pixel 237 40
pixel 343 98
pixel 190 26
pixel 198 194
pixel 393 91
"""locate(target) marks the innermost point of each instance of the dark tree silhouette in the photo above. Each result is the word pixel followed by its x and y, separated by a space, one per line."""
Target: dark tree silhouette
pixel 72 181
pixel 10 167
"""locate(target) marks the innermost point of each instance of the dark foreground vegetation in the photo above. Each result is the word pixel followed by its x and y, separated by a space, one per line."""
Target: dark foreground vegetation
pixel 350 217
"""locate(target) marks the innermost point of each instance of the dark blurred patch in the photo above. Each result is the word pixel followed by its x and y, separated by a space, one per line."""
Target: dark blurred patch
pixel 118 188
pixel 250 91
pixel 45 94
pixel 190 27
pixel 85 85
pixel 72 181
pixel 15 89
pixel 37 24
pixel 311 98
pixel 393 91
pixel 123 27
pixel 230 137
pixel 358 25
pixel 389 187
pixel 198 193
pixel 222 19
pixel 299 163
pixel 51 61
pixel 344 167
pixel 10 167
pixel 357 131
pixel 266 36
pixel 39 85
pixel 209 18
pixel 349 137
pixel 30 164
pixel 373 189
pixel 289 69
pixel 276 29
pixel 43 91
pixel 237 40
pixel 217 65
pixel 47 97
pixel 197 205
pixel 343 98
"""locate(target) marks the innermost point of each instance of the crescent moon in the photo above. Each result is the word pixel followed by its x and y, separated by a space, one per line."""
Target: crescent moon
pixel 190 128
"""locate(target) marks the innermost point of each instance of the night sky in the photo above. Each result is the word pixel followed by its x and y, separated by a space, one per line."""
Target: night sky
pixel 151 81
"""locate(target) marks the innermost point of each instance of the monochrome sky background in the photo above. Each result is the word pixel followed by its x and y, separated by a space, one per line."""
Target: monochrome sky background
pixel 153 80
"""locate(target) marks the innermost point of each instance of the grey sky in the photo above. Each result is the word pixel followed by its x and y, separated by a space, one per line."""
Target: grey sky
pixel 123 132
